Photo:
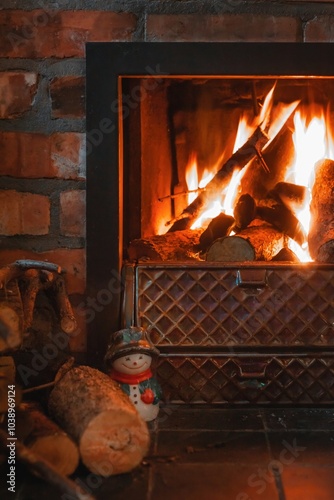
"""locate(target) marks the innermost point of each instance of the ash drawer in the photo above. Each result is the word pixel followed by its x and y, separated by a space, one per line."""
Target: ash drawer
pixel 203 304
pixel 254 380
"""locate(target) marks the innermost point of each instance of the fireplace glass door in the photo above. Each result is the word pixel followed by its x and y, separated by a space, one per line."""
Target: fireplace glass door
pixel 210 214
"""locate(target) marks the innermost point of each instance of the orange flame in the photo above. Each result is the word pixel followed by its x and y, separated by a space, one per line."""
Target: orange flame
pixel 193 186
pixel 229 194
pixel 192 178
pixel 312 142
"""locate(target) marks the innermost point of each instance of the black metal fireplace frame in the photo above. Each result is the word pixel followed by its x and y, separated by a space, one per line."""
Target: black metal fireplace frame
pixel 106 63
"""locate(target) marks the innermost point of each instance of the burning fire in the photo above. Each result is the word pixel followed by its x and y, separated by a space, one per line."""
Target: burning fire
pixel 312 142
pixel 224 204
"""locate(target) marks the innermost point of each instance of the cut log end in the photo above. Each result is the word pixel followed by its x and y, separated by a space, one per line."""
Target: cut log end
pixel 60 451
pixel 114 443
pixel 258 242
pixel 69 325
pixel 230 249
pixel 99 416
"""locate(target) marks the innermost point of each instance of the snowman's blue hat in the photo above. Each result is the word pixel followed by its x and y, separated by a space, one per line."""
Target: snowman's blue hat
pixel 129 341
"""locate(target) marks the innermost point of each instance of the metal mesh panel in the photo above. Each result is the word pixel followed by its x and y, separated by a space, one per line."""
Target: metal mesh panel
pixel 253 334
pixel 204 306
pixel 219 380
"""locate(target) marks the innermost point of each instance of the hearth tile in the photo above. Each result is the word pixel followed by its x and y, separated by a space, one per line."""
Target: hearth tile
pixel 308 448
pixel 308 483
pixel 132 486
pixel 213 447
pixel 298 419
pixel 184 417
pixel 211 481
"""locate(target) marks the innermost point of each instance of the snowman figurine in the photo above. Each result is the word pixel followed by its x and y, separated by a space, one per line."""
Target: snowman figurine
pixel 128 361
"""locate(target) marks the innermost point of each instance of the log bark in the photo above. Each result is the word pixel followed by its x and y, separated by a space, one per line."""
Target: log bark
pixel 213 189
pixel 178 246
pixel 49 441
pixel 67 320
pixel 244 211
pixel 253 243
pixel 219 227
pixel 17 269
pixel 321 234
pixel 285 255
pixel 11 317
pixel 29 296
pixel 111 436
pixel 284 220
pixel 293 196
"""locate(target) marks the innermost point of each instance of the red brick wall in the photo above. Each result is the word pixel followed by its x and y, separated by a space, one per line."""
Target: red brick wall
pixel 42 94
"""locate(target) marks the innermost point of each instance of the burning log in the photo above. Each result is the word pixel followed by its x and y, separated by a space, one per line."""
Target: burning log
pixel 293 196
pixel 283 219
pixel 278 156
pixel 219 226
pixel 258 242
pixel 47 440
pixel 321 234
pixel 244 211
pixel 91 407
pixel 213 189
pixel 285 255
pixel 181 245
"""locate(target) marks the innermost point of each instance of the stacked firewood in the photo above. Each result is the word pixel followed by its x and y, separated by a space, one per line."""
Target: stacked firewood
pixel 87 418
pixel 261 229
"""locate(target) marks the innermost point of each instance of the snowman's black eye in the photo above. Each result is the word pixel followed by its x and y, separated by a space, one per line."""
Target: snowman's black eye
pixel 140 357
pixel 127 359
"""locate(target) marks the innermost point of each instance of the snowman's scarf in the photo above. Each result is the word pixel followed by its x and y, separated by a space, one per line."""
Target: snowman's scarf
pixel 126 378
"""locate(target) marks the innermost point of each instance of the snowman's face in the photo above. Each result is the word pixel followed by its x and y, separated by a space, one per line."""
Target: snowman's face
pixel 132 363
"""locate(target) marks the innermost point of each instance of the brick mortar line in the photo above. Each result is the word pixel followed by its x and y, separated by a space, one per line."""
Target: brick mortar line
pixel 44 186
pixel 139 33
pixel 43 125
pixel 50 67
pixel 137 7
pixel 42 243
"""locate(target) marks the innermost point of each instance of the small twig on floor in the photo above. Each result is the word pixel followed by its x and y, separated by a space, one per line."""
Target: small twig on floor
pixel 161 459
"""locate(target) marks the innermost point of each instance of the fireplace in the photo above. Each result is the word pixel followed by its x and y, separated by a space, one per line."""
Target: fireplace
pixel 229 331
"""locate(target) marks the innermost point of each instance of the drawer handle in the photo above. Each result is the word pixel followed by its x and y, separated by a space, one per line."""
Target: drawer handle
pixel 253 369
pixel 252 278
pixel 252 384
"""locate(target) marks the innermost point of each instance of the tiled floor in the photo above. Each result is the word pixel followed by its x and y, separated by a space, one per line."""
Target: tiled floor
pixel 225 454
